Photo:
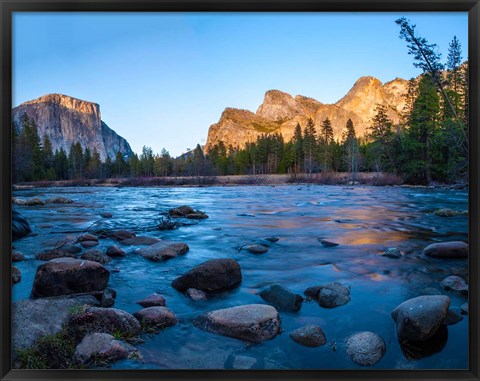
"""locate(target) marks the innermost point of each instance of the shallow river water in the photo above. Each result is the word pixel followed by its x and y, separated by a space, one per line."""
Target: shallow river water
pixel 363 220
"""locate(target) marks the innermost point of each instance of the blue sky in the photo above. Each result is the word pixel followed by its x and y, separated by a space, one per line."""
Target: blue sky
pixel 162 79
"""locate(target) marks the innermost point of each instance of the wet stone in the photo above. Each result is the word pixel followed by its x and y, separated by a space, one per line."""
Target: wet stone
pixel 115 252
pixel 309 336
pixel 96 256
pixel 452 317
pixel 154 300
pixel 196 295
pixel 464 309
pixel 392 252
pixel 17 256
pixel 255 248
pixel 282 298
pixel 365 348
pixel 456 284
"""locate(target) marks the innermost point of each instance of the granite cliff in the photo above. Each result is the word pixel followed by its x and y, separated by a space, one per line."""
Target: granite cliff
pixel 280 112
pixel 66 120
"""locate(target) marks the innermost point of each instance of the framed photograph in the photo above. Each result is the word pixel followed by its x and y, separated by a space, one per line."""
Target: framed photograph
pixel 240 190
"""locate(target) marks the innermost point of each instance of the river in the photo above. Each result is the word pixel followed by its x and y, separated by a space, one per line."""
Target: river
pixel 363 220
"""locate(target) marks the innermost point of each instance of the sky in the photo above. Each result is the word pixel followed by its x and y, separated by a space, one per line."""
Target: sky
pixel 162 79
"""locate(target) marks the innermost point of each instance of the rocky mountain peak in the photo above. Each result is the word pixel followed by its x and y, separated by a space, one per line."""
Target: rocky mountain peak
pixel 66 120
pixel 278 105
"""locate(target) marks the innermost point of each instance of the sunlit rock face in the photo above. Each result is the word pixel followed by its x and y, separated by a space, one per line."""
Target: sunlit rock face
pixel 66 120
pixel 280 112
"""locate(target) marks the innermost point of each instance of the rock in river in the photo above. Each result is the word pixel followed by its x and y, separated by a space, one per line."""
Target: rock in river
pixel 255 248
pixel 20 226
pixel 99 346
pixel 65 276
pixel 96 256
pixel 252 322
pixel 392 252
pixel 211 276
pixel 153 300
pixel 87 237
pixel 454 249
pixel 309 335
pixel 109 320
pixel 47 255
pixel 419 318
pixel 455 283
pixel 464 309
pixel 140 241
pixel 281 298
pixel 115 252
pixel 163 250
pixel 17 256
pixel 452 317
pixel 156 317
pixel 187 212
pixel 59 200
pixel 329 295
pixel 16 275
pixel 365 348
pixel 122 234
pixel 196 295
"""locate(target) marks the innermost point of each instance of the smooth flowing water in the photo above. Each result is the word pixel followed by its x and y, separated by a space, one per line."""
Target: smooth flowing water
pixel 363 220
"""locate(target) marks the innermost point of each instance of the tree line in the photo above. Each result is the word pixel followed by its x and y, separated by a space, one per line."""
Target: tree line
pixel 430 143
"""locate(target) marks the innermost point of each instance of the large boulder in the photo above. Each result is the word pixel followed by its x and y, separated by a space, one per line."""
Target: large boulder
pixel 309 335
pixel 163 250
pixel 329 295
pixel 252 322
pixel 115 252
pixel 140 241
pixel 17 256
pixel 156 317
pixel 20 226
pixel 418 319
pixel 65 276
pixel 211 276
pixel 34 318
pixel 281 298
pixel 96 347
pixel 365 348
pixel 122 234
pixel 454 250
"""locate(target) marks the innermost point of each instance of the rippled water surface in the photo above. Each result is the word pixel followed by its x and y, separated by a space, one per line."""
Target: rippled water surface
pixel 363 220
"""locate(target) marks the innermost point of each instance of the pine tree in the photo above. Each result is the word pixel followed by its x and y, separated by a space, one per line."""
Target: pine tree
pixel 326 134
pixel 309 144
pixel 350 146
pixel 297 148
pixel 381 131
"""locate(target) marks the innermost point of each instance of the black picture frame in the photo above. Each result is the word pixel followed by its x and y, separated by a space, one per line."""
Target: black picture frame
pixel 7 7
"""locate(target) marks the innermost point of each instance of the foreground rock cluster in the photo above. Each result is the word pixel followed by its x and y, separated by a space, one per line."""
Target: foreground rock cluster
pixel 74 282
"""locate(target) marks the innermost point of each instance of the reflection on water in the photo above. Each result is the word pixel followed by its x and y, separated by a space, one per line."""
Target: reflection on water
pixel 363 220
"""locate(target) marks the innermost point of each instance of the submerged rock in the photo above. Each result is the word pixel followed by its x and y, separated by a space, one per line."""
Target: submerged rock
pixel 122 234
pixel 140 241
pixel 272 239
pixel 65 276
pixel 17 256
pixel 153 300
pixel 326 243
pixel 365 348
pixel 309 335
pixel 196 295
pixel 97 346
pixel 16 275
pixel 20 226
pixel 421 349
pixel 454 250
pixel 255 248
pixel 392 252
pixel 211 276
pixel 252 322
pixel 456 284
pixel 464 309
pixel 96 256
pixel 281 298
pixel 450 212
pixel 71 248
pixel 452 317
pixel 418 319
pixel 156 317
pixel 59 200
pixel 161 251
pixel 329 295
pixel 115 252
pixel 106 215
